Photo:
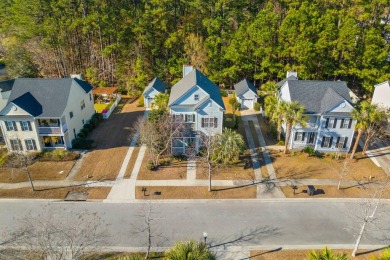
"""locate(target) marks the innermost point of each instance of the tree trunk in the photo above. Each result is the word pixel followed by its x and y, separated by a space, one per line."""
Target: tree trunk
pixel 356 143
pixel 279 130
pixel 288 133
pixel 209 163
pixel 359 238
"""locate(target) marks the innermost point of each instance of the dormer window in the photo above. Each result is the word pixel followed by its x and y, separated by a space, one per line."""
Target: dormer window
pixel 196 97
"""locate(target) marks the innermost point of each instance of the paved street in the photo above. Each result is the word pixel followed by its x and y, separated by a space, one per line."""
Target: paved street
pixel 274 222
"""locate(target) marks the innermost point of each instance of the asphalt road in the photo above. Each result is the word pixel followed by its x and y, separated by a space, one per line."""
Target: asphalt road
pixel 228 223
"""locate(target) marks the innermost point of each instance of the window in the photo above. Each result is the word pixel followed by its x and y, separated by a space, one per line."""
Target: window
pixel 196 97
pixel 74 132
pixel 90 96
pixel 312 137
pixel 346 123
pixel 16 145
pixel 70 114
pixel 331 123
pixel 30 144
pixel 190 118
pixel 327 141
pixel 82 104
pixel 209 122
pixel 11 126
pixel 341 142
pixel 299 136
pixel 178 117
pixel 26 125
pixel 83 121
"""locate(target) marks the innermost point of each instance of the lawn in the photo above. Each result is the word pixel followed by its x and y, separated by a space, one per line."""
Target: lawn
pixel 276 254
pixel 247 192
pixel 302 167
pixel 54 192
pixel 325 191
pixel 100 107
pixel 38 171
pixel 175 171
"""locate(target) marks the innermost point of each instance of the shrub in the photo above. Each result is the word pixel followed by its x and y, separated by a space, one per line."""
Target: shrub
pixel 180 157
pixel 309 150
pixel 81 135
pixel 140 101
pixel 281 142
pixel 256 106
pixel 85 131
pixel 58 155
pixel 150 166
pixel 81 143
pixel 89 127
pixel 224 93
pixel 98 117
pixel 232 101
pixel 237 106
pixel 165 162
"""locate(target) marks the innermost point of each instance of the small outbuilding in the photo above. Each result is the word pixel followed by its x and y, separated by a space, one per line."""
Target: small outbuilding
pixel 246 94
pixel 381 95
pixel 155 87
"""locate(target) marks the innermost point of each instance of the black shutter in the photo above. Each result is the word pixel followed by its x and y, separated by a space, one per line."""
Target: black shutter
pixel 335 123
pixel 296 136
pixel 21 125
pixel 25 142
pixel 326 123
pixel 20 145
pixel 342 123
pixel 15 127
pixel 345 142
pixel 350 123
pixel 330 142
pixel 29 126
pixel 7 125
pixel 303 136
pixel 202 122
pixel 338 142
pixel 323 140
pixel 215 122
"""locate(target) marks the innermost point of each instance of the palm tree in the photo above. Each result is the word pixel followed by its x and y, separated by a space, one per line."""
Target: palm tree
pixel 230 146
pixel 293 114
pixel 326 254
pixel 368 118
pixel 277 117
pixel 270 103
pixel 190 250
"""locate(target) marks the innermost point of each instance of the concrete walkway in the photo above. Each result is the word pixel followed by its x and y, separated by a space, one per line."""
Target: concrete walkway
pixel 191 169
pixel 77 166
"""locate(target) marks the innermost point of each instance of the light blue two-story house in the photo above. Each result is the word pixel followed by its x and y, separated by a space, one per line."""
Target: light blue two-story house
pixel 199 103
pixel 330 127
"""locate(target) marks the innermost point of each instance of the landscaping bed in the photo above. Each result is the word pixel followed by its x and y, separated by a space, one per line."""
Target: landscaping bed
pixel 331 191
pixel 176 170
pixel 195 192
pixel 53 192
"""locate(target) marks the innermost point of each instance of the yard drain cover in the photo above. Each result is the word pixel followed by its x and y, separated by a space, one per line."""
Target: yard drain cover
pixel 76 196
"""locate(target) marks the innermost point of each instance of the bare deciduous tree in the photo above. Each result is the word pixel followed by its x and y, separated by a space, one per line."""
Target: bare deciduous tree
pixel 51 235
pixel 344 171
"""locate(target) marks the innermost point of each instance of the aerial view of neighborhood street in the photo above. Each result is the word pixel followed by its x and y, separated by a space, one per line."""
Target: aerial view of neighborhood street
pixel 194 129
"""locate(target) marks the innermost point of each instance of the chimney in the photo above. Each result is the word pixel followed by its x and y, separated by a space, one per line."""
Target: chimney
pixel 292 73
pixel 187 69
pixel 77 76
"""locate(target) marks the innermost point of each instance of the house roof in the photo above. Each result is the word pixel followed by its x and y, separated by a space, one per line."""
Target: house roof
pixel 292 77
pixel 318 96
pixel 104 90
pixel 195 77
pixel 6 85
pixel 44 97
pixel 243 86
pixel 157 84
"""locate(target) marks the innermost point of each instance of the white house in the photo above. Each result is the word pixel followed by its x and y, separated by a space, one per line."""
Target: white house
pixel 381 95
pixel 246 94
pixel 330 127
pixel 45 113
pixel 199 102
pixel 155 87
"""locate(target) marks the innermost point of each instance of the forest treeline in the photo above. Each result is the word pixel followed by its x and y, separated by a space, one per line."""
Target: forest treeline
pixel 129 42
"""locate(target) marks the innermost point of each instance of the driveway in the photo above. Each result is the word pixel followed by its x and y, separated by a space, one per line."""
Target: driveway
pixel 379 152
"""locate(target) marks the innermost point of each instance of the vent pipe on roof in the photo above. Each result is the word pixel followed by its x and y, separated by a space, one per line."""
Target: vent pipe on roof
pixel 187 69
pixel 292 73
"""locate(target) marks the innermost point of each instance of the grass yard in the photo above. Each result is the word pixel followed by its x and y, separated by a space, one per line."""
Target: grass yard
pixel 327 191
pixel 247 192
pixel 303 167
pixel 100 107
pixel 363 254
pixel 38 171
pixel 265 129
pixel 54 192
pixel 175 171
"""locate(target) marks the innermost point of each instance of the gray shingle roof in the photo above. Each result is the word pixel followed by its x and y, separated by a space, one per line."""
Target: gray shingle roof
pixel 44 97
pixel 292 77
pixel 193 78
pixel 318 96
pixel 243 86
pixel 157 84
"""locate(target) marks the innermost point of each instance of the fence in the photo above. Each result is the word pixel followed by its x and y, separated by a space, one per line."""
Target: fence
pixel 106 114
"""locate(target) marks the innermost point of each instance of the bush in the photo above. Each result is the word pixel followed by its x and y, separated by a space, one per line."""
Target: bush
pixel 58 155
pixel 165 161
pixel 85 131
pixel 256 106
pixel 232 101
pixel 309 150
pixel 224 93
pixel 81 143
pixel 140 101
pixel 281 142
pixel 180 157
pixel 150 166
pixel 81 135
pixel 89 127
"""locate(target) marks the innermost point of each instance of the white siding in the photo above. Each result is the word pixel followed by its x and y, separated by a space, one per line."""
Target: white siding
pixel 381 95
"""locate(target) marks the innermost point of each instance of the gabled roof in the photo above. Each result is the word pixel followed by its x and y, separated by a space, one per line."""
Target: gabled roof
pixel 44 97
pixel 6 85
pixel 318 96
pixel 195 77
pixel 292 77
pixel 243 86
pixel 157 84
